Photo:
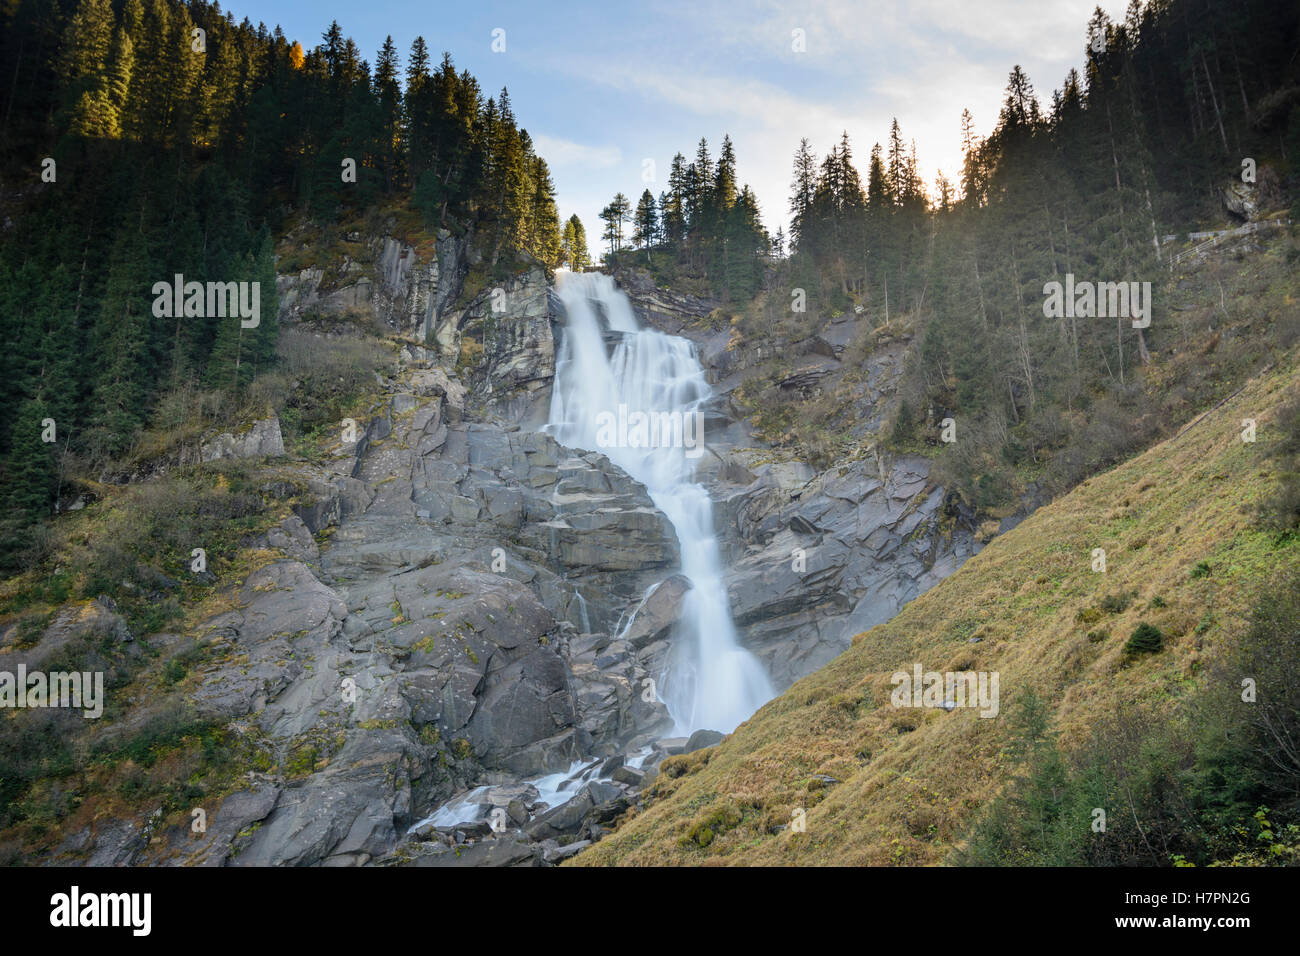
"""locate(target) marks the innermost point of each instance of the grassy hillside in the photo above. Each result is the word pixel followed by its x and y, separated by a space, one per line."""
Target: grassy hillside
pixel 1185 553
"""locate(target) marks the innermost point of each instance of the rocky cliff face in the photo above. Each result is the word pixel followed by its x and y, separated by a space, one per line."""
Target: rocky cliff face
pixel 508 325
pixel 388 279
pixel 820 560
pixel 813 558
pixel 457 601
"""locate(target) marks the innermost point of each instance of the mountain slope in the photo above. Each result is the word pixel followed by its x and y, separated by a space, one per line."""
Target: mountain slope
pixel 908 783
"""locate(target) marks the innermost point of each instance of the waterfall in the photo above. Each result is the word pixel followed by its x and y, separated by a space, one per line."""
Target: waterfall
pixel 602 402
pixel 582 608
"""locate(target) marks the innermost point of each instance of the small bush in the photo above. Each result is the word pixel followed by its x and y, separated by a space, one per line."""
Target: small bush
pixel 904 425
pixel 162 731
pixel 712 824
pixel 174 671
pixel 1146 639
pixel 1118 603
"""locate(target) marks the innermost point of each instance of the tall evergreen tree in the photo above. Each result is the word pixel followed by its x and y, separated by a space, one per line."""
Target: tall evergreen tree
pixel 29 469
pixel 645 223
pixel 574 245
pixel 615 216
pixel 388 94
pixel 801 189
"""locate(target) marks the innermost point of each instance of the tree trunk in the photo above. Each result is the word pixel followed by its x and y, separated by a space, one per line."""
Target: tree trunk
pixel 1214 101
pixel 1025 357
pixel 13 91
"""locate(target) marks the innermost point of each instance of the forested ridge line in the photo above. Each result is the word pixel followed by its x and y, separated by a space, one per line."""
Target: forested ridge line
pixel 154 138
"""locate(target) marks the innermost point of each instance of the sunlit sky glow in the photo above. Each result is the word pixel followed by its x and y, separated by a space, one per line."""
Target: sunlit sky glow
pixel 601 87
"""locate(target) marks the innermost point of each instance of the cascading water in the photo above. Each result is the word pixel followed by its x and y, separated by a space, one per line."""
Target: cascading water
pixel 711 682
pixel 582 610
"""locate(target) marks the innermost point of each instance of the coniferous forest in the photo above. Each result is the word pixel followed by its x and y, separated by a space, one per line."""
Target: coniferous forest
pixel 1094 179
pixel 147 160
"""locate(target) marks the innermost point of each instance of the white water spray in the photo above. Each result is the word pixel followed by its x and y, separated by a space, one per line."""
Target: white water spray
pixel 712 682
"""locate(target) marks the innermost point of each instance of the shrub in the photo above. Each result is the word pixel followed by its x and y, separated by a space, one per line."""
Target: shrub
pixel 1268 654
pixel 326 376
pixel 34 745
pixel 712 824
pixel 174 671
pixel 1145 639
pixel 904 425
pixel 1118 603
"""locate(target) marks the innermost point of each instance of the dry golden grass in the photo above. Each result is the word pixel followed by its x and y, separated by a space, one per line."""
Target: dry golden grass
pixel 913 779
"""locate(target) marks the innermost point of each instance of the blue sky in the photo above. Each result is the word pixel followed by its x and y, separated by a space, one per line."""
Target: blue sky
pixel 604 86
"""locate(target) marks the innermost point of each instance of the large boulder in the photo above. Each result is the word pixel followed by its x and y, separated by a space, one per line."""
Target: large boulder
pixel 80 626
pixel 261 439
pixel 655 616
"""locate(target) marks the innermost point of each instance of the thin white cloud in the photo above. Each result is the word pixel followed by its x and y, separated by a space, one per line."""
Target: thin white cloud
pixel 922 61
pixel 843 31
pixel 736 99
pixel 561 152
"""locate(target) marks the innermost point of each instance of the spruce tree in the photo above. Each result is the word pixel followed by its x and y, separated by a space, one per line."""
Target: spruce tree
pixel 615 216
pixel 575 245
pixel 674 210
pixel 30 466
pixel 123 348
pixel 388 93
pixel 645 223
pixel 801 190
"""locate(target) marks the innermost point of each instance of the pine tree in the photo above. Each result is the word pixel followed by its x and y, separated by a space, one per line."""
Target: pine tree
pixel 543 217
pixel 674 211
pixel 123 349
pixel 973 178
pixel 724 180
pixel 86 42
pixel 388 93
pixel 897 171
pixel 1021 106
pixel 878 228
pixel 645 223
pixel 574 245
pixel 29 468
pixel 267 334
pixel 615 216
pixel 745 244
pixel 91 49
pixel 801 190
pixel 418 105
